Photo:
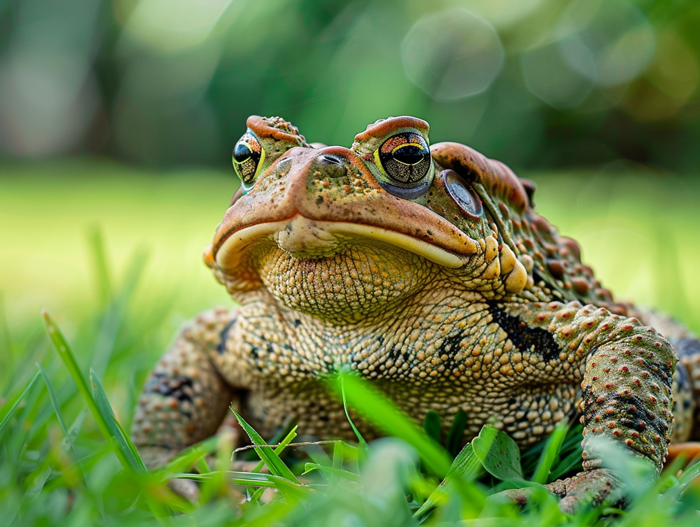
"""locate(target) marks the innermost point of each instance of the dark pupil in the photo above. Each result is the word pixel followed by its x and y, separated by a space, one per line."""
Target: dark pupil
pixel 241 152
pixel 410 154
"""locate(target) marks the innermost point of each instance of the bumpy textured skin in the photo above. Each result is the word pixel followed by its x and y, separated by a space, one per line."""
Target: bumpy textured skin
pixel 444 310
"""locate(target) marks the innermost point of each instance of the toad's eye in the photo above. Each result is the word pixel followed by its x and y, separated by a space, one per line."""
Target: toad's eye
pixel 462 193
pixel 247 158
pixel 405 158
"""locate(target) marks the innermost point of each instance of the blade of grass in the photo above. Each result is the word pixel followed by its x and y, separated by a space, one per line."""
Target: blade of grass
pixel 689 475
pixel 255 496
pixel 337 464
pixel 551 451
pixel 124 444
pixel 6 418
pixel 284 485
pixel 5 337
pixel 280 448
pixel 66 355
pixel 217 484
pixel 266 453
pixel 273 513
pixel 255 480
pixel 456 433
pixel 59 416
pixel 432 424
pixel 375 407
pixel 466 465
pixel 102 275
pixel 185 459
pixel 202 466
pixel 77 424
pixel 115 314
pixel 569 463
pixel 686 478
pixel 276 438
pixel 337 455
pixel 337 472
pixel 360 439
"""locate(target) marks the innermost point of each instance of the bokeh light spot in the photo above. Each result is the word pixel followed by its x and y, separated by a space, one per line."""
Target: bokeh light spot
pixel 503 13
pixel 452 54
pixel 670 80
pixel 549 77
pixel 172 25
pixel 674 70
pixel 616 35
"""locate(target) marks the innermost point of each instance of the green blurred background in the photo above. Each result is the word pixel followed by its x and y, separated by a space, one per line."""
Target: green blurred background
pixel 118 117
pixel 540 83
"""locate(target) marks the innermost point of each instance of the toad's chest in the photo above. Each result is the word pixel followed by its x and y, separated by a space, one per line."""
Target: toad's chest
pixel 443 352
pixel 478 359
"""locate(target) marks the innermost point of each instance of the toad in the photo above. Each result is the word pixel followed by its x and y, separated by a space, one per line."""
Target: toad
pixel 426 270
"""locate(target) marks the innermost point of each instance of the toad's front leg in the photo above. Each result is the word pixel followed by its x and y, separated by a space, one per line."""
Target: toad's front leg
pixel 626 392
pixel 185 398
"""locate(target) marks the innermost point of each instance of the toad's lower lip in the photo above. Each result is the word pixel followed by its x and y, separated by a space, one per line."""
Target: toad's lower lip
pixel 306 238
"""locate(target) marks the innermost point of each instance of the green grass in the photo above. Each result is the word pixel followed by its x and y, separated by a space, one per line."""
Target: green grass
pixel 114 254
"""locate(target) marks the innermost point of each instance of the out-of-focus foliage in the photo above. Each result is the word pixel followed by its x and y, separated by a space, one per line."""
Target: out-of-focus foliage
pixel 536 83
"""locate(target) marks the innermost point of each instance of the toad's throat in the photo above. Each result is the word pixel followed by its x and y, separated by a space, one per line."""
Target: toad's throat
pixel 311 239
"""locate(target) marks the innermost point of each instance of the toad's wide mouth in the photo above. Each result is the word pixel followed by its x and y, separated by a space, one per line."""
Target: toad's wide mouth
pixel 305 238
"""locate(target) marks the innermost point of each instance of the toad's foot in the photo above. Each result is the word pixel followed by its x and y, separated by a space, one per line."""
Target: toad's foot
pixel 584 491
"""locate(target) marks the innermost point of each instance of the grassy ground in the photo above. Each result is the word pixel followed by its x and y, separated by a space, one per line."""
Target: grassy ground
pixel 114 255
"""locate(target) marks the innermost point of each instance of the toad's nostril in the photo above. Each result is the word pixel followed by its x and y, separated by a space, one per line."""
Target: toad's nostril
pixel 325 158
pixel 331 165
